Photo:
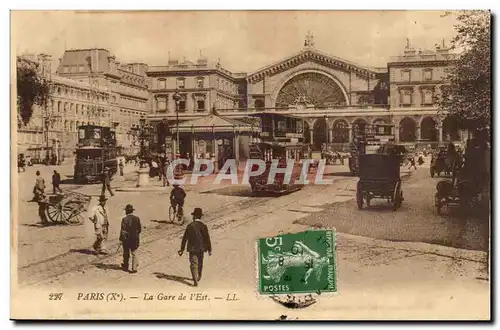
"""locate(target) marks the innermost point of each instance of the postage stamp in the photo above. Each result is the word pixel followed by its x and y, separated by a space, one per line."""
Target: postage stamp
pixel 297 263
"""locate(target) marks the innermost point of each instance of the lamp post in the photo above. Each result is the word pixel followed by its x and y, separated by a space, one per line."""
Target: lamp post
pixel 177 98
pixel 143 172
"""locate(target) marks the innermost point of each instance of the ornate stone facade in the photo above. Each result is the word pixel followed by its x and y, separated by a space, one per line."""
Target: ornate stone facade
pixel 333 95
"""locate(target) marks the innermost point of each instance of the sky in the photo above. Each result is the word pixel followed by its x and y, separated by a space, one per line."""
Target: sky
pixel 243 40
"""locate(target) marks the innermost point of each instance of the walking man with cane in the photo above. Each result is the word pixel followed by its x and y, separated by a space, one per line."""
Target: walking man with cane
pixel 129 238
pixel 198 242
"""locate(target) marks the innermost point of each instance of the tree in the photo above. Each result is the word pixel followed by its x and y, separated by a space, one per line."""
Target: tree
pixel 468 97
pixel 32 89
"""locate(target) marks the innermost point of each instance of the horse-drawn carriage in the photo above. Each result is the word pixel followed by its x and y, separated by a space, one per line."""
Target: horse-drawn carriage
pixel 68 208
pixel 379 177
pixel 463 190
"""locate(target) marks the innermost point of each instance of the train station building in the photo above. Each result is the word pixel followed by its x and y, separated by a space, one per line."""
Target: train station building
pixel 333 96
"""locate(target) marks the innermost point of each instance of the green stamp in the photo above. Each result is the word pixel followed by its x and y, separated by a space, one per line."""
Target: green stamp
pixel 297 263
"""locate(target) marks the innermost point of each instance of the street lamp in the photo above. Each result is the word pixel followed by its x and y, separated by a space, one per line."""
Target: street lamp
pixel 177 98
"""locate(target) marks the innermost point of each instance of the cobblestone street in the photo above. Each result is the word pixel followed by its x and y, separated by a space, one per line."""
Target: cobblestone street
pixel 378 250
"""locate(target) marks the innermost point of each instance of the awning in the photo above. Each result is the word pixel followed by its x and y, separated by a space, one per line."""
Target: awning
pixel 214 123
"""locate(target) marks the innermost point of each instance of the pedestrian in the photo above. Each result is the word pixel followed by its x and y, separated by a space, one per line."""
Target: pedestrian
pixel 412 163
pixel 129 238
pixel 42 208
pixel 56 180
pixel 154 168
pixel 121 167
pixel 106 182
pixel 99 217
pixel 39 187
pixel 165 171
pixel 198 242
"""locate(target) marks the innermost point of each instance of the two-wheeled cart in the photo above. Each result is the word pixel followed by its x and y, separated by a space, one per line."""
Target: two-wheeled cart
pixel 68 208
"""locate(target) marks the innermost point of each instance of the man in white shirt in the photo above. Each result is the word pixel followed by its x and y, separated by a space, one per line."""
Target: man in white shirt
pixel 99 217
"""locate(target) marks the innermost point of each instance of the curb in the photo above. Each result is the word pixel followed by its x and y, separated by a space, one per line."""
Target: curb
pixel 426 248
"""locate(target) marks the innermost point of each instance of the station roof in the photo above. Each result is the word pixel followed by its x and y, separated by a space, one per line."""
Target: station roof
pixel 214 123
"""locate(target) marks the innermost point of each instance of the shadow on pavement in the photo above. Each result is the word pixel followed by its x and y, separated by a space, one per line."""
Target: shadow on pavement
pixel 38 225
pixel 108 266
pixel 237 191
pixel 180 279
pixel 84 251
pixel 349 174
pixel 162 221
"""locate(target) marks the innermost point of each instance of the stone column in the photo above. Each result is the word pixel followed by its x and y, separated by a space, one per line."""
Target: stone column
pixel 329 138
pixel 396 134
pixel 417 134
pixel 236 140
pixel 311 136
pixel 440 133
pixel 350 133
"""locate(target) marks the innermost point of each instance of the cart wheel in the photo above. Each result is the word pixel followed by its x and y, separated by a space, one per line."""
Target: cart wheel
pixel 74 210
pixel 57 213
pixel 400 199
pixel 432 171
pixel 396 195
pixel 171 213
pixel 359 196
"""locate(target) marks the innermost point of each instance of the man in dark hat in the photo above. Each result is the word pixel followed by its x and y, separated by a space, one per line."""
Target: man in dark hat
pixel 56 181
pixel 99 217
pixel 106 182
pixel 129 237
pixel 198 242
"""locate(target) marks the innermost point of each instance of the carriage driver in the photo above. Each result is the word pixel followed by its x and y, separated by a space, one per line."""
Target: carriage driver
pixel 177 196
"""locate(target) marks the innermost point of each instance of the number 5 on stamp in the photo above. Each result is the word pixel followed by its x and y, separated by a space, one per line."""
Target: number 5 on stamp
pixel 297 263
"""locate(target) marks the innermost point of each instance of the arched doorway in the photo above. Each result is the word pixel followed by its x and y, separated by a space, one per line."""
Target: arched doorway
pixel 340 132
pixel 320 131
pixel 428 130
pixel 310 89
pixel 407 130
pixel 359 127
pixel 451 132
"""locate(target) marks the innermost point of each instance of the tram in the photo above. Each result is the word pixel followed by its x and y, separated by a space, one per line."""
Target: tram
pixel 96 150
pixel 281 139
